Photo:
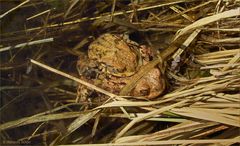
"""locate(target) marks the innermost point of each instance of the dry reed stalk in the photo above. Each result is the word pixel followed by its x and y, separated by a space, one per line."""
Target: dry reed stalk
pixel 199 107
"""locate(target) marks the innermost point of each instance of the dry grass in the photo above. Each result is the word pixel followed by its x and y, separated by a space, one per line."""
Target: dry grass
pixel 196 44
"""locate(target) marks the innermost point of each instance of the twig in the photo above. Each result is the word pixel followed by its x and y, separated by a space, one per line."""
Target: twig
pixel 107 15
pixel 175 9
pixel 207 20
pixel 166 142
pixel 113 9
pixel 39 14
pixel 186 43
pixel 190 9
pixel 73 78
pixel 9 11
pixel 146 116
pixel 111 95
pixel 235 59
pixel 222 29
pixel 221 65
pixel 27 44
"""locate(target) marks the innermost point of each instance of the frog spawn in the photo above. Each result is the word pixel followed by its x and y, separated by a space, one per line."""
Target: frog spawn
pixel 114 61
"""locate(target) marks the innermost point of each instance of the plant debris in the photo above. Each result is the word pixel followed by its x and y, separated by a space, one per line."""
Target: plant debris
pixel 115 72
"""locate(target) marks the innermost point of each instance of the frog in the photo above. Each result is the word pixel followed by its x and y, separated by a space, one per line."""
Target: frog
pixel 119 56
pixel 114 59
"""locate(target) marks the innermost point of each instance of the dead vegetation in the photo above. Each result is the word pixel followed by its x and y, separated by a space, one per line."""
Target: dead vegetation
pixel 196 45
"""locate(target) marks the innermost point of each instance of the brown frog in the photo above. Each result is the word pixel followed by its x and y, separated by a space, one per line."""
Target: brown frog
pixel 115 60
pixel 119 56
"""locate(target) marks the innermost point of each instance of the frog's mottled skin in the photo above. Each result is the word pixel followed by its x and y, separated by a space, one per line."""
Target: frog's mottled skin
pixel 116 60
pixel 115 53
